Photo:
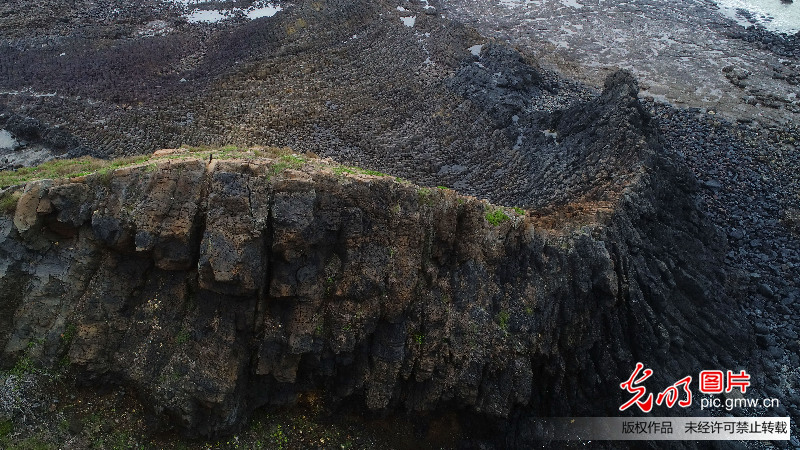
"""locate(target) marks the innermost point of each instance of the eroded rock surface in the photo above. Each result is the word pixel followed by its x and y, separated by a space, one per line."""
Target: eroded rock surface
pixel 682 52
pixel 215 287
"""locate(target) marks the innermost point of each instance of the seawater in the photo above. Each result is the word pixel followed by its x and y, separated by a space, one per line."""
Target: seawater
pixel 218 15
pixel 7 141
pixel 774 15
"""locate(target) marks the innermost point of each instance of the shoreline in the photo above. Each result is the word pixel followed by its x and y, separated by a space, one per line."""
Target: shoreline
pixel 677 51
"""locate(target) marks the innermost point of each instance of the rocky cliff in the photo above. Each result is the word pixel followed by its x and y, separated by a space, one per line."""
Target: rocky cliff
pixel 212 287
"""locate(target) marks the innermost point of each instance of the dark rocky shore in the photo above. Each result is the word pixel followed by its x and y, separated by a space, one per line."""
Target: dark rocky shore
pixel 656 233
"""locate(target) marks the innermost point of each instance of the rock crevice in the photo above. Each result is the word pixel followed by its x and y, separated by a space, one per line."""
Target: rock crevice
pixel 216 288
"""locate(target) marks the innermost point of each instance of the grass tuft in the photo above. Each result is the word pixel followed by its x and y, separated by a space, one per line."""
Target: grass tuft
pixel 66 168
pixel 8 202
pixel 6 427
pixel 502 320
pixel 357 171
pixel 425 197
pixel 287 162
pixel 86 165
pixel 496 216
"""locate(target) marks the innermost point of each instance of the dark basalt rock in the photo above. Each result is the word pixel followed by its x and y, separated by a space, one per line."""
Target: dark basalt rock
pixel 501 82
pixel 37 142
pixel 212 288
pixel 369 291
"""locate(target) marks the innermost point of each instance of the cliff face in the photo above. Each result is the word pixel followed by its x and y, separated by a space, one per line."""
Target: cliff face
pixel 213 287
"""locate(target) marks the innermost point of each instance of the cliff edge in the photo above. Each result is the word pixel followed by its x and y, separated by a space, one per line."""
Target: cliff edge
pixel 212 287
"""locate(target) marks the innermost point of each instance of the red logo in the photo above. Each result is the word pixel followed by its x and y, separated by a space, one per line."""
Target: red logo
pixel 740 380
pixel 638 391
pixel 711 382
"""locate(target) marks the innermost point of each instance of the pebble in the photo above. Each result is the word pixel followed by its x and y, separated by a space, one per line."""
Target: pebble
pixel 788 334
pixel 761 328
pixel 737 234
pixel 765 290
pixel 765 340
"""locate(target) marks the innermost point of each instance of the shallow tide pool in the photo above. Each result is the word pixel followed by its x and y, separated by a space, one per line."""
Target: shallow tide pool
pixel 218 15
pixel 774 15
pixel 7 141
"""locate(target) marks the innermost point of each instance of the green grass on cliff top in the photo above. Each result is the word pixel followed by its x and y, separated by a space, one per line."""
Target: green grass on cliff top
pixel 69 168
pixel 65 168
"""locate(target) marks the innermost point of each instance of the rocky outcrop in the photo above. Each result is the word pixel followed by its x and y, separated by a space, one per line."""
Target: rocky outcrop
pixel 215 287
pixel 34 142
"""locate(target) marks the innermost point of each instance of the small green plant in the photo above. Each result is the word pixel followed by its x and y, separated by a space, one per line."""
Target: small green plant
pixel 63 424
pixel 66 168
pixel 6 427
pixel 496 216
pixel 442 187
pixel 294 160
pixel 104 176
pixel 70 331
pixel 196 149
pixel 256 426
pixel 30 443
pixel 330 283
pixel 120 440
pixel 287 162
pixel 373 173
pixel 419 339
pixel 529 311
pixel 425 197
pixel 25 364
pixel 278 438
pixel 357 170
pixel 502 320
pixel 341 170
pixel 8 202
pixel 64 362
pixel 182 337
pixel 519 211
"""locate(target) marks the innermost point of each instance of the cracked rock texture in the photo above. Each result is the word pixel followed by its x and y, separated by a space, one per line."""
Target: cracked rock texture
pixel 215 287
pixel 210 288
